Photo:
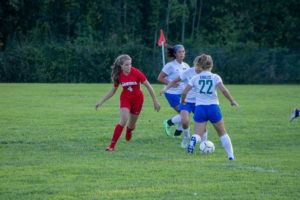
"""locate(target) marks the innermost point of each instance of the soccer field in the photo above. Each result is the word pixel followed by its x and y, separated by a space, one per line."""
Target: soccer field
pixel 52 145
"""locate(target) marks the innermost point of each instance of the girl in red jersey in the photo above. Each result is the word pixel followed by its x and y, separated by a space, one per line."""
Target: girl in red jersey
pixel 131 99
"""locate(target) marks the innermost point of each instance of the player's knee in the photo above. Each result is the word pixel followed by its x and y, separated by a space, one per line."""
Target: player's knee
pixel 185 124
pixel 123 122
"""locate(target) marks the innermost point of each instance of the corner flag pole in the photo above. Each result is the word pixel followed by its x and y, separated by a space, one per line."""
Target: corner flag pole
pixel 161 42
pixel 163 53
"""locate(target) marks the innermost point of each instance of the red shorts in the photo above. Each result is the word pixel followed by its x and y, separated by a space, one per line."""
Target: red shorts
pixel 134 105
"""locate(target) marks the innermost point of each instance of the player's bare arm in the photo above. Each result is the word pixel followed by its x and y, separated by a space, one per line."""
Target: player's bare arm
pixel 227 94
pixel 184 93
pixel 170 84
pixel 108 95
pixel 151 92
pixel 161 78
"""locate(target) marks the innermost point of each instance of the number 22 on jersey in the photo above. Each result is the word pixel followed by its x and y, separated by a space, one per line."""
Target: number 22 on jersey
pixel 206 86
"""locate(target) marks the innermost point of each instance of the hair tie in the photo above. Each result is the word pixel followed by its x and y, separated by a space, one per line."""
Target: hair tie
pixel 176 47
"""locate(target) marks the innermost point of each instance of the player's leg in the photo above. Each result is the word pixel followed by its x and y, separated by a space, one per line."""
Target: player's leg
pixel 124 114
pixel 193 109
pixel 177 120
pixel 174 102
pixel 185 118
pixel 215 117
pixel 199 129
pixel 225 139
pixel 200 120
pixel 131 125
pixel 136 108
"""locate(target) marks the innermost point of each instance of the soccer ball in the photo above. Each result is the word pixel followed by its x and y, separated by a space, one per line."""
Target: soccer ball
pixel 207 147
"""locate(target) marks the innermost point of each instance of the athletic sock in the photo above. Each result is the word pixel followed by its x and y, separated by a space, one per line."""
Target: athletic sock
pixel 117 133
pixel 226 143
pixel 204 138
pixel 176 119
pixel 179 126
pixel 186 132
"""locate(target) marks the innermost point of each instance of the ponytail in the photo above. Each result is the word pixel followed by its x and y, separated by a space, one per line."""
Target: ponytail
pixel 171 50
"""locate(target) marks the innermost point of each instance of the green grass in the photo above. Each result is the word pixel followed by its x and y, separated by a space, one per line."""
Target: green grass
pixel 52 145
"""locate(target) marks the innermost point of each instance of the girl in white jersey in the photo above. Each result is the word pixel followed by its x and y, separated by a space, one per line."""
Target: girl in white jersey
pixel 169 72
pixel 207 104
pixel 190 101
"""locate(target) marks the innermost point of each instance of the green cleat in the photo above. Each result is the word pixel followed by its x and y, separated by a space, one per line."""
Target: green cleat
pixel 167 127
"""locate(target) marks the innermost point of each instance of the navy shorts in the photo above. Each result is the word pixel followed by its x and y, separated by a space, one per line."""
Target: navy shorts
pixel 190 107
pixel 204 113
pixel 173 99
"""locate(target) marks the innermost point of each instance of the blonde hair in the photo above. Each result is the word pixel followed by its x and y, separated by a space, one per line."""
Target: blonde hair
pixel 204 62
pixel 116 68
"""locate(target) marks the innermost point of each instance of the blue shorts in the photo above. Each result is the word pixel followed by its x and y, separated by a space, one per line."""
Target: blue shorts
pixel 204 113
pixel 173 99
pixel 190 107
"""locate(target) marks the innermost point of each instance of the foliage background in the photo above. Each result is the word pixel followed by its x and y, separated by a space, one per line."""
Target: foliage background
pixel 75 41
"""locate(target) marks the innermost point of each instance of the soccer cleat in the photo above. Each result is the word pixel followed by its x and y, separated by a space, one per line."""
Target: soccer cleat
pixel 109 149
pixel 294 114
pixel 192 144
pixel 128 135
pixel 231 158
pixel 184 142
pixel 167 127
pixel 177 133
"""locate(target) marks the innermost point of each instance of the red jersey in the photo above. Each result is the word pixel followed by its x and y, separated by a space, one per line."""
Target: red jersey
pixel 132 83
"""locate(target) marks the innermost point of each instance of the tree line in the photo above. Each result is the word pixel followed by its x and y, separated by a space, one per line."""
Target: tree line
pixel 251 41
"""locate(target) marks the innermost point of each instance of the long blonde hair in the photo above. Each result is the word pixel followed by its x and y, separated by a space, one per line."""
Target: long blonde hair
pixel 204 62
pixel 116 68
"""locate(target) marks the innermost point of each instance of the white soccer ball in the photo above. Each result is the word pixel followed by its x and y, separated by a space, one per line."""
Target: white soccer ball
pixel 207 147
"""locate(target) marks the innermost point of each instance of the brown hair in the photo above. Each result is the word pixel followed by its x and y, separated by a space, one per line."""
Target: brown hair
pixel 171 51
pixel 204 61
pixel 116 68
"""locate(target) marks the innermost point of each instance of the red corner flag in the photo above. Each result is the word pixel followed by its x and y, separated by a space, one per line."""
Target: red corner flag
pixel 161 38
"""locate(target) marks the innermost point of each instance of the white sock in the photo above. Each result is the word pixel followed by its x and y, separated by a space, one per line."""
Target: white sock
pixel 204 138
pixel 226 142
pixel 179 126
pixel 186 132
pixel 176 119
pixel 198 138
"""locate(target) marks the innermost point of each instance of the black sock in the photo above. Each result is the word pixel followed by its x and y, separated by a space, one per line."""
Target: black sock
pixel 170 123
pixel 177 132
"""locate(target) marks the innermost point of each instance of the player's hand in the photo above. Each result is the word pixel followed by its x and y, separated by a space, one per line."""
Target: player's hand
pixel 235 105
pixel 156 106
pixel 97 106
pixel 183 102
pixel 175 85
pixel 162 92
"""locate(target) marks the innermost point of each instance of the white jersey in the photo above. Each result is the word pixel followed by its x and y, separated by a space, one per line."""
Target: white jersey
pixel 173 69
pixel 205 84
pixel 186 76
